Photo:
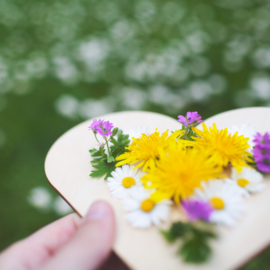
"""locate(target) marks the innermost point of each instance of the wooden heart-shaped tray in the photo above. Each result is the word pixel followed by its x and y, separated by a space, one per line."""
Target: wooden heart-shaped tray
pixel 68 167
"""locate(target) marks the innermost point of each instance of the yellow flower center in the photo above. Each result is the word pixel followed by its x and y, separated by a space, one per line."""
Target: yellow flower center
pixel 147 205
pixel 128 181
pixel 242 182
pixel 217 203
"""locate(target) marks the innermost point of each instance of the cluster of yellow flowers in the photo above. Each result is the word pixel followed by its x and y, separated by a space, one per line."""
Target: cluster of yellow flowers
pixel 174 167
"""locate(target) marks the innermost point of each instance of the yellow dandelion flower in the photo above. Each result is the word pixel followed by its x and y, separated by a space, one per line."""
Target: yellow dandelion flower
pixel 179 171
pixel 223 147
pixel 145 149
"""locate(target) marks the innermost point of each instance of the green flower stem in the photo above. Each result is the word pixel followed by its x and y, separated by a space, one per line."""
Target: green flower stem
pixel 109 150
pixel 110 158
pixel 96 137
pixel 187 131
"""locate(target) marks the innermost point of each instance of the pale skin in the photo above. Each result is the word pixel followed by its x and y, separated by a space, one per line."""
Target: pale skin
pixel 69 243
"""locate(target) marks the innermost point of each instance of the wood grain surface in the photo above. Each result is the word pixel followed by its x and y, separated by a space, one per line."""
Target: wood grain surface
pixel 68 167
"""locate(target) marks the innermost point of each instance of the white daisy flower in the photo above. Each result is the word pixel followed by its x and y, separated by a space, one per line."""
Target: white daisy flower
pixel 248 179
pixel 225 197
pixel 247 131
pixel 124 181
pixel 143 211
pixel 137 131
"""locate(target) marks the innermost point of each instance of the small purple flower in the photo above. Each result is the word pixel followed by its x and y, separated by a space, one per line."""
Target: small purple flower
pixel 264 165
pixel 105 129
pixel 261 152
pixel 96 124
pixel 191 118
pixel 262 140
pixel 102 127
pixel 198 210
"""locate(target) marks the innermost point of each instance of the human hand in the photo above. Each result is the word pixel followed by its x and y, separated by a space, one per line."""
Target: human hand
pixel 69 243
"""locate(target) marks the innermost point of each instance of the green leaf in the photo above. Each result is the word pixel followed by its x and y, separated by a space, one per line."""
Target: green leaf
pixel 98 160
pixel 103 168
pixel 119 145
pixel 168 236
pixel 113 140
pixel 98 173
pixel 110 159
pixel 105 164
pixel 195 250
pixel 179 229
pixel 126 142
pixel 97 152
pixel 109 172
pixel 195 237
pixel 115 131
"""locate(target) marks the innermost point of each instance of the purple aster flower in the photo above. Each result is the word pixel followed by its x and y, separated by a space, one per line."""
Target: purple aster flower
pixel 191 118
pixel 264 165
pixel 262 140
pixel 261 152
pixel 105 129
pixel 198 210
pixel 96 124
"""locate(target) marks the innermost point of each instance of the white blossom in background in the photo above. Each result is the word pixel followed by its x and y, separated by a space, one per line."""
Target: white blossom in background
pixel 145 11
pixel 136 71
pixel 198 41
pixel 61 207
pixel 92 107
pixel 200 90
pixel 65 70
pixel 171 101
pixel 132 98
pixel 37 67
pixel 67 106
pixel 261 86
pixel 3 74
pixel 261 57
pixel 173 12
pixel 93 53
pixel 40 198
pixel 200 66
pixel 177 60
pixel 218 83
pixel 158 94
pixel 175 102
pixel 122 30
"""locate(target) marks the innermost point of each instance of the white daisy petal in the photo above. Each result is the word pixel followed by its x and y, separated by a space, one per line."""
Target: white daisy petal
pixel 247 131
pixel 225 197
pixel 124 181
pixel 140 217
pixel 137 131
pixel 248 179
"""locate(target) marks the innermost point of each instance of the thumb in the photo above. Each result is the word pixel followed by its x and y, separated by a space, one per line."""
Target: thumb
pixel 91 244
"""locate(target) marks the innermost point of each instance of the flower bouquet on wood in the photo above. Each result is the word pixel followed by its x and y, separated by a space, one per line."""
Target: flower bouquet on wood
pixel 206 174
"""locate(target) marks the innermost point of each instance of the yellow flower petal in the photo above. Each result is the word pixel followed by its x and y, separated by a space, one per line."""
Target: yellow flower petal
pixel 145 149
pixel 179 171
pixel 223 147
